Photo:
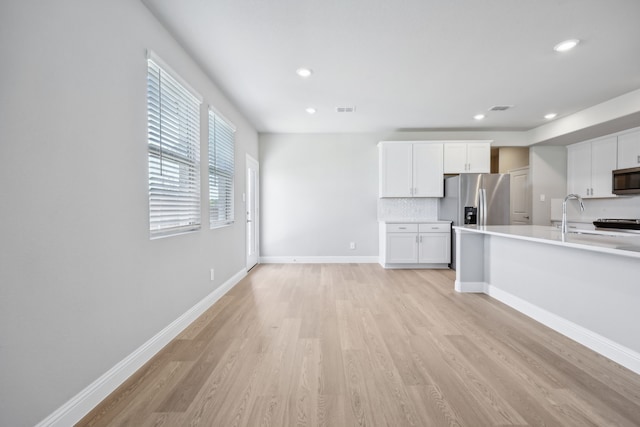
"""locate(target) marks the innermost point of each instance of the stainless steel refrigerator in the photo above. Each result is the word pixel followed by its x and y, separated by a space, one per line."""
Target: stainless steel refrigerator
pixel 475 198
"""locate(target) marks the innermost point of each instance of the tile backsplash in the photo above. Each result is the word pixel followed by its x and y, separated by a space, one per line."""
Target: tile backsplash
pixel 419 208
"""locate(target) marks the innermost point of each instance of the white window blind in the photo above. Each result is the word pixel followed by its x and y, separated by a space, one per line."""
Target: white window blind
pixel 174 153
pixel 221 170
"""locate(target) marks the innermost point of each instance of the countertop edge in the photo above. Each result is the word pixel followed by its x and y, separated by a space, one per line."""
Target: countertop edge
pixel 413 221
pixel 589 247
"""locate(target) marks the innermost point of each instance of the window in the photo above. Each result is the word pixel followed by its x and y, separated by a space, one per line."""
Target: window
pixel 174 152
pixel 221 170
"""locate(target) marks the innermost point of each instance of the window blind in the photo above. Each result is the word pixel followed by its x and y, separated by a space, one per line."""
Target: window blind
pixel 174 154
pixel 221 170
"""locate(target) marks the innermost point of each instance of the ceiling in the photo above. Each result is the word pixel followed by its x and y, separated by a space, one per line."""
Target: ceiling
pixel 409 64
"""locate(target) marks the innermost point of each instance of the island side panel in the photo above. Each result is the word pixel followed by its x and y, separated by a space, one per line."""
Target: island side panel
pixel 470 261
pixel 577 292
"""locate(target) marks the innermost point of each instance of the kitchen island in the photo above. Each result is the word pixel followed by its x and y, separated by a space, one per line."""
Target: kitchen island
pixel 583 285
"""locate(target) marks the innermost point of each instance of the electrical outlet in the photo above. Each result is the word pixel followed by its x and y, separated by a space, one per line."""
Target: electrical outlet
pixel 213 274
pixel 352 245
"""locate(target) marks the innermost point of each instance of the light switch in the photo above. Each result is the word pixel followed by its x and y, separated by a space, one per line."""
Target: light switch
pixel 542 197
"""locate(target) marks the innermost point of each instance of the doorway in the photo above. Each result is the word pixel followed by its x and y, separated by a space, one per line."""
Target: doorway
pixel 252 203
pixel 520 196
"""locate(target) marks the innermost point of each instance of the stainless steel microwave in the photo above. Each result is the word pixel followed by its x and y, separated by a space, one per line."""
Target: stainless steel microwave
pixel 626 181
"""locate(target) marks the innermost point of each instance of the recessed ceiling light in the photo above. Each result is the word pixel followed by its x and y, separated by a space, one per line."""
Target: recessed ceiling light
pixel 550 116
pixel 566 45
pixel 479 116
pixel 304 72
pixel 310 110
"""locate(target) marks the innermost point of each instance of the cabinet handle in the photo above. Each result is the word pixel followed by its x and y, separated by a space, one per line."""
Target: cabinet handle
pixel 402 228
pixel 639 159
pixel 420 239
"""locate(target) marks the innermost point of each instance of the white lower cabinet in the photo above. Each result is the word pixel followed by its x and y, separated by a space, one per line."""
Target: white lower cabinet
pixel 411 245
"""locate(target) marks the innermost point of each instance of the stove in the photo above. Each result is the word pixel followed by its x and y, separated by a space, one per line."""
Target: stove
pixel 628 224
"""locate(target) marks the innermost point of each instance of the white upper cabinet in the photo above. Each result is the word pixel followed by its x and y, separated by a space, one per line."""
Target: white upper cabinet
pixel 396 169
pixel 579 169
pixel 411 169
pixel 467 157
pixel 589 167
pixel 428 175
pixel 629 150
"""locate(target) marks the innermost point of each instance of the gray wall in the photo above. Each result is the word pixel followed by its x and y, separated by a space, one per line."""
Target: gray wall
pixel 548 174
pixel 318 193
pixel 81 284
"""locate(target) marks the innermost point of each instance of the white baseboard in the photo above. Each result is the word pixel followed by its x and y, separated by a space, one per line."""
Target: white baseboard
pixel 80 405
pixel 474 287
pixel 604 346
pixel 319 260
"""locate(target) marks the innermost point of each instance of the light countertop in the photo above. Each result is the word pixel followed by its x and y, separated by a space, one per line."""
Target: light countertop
pixel 412 221
pixel 613 242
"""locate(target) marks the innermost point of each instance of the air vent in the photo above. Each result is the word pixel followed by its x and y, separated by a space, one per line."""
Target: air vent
pixel 500 107
pixel 345 109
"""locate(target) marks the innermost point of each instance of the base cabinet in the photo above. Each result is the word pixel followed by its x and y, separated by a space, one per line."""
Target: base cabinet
pixel 417 245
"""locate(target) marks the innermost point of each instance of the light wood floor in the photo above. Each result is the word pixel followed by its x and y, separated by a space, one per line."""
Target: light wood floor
pixel 357 345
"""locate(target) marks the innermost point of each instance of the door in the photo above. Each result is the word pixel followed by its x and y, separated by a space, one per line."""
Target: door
pixel 629 150
pixel 604 158
pixel 396 170
pixel 498 193
pixel 434 248
pixel 428 176
pixel 251 206
pixel 479 157
pixel 402 248
pixel 469 186
pixel 520 196
pixel 579 169
pixel 455 157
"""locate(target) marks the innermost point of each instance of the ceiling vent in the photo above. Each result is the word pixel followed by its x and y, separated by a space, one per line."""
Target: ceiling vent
pixel 345 109
pixel 500 107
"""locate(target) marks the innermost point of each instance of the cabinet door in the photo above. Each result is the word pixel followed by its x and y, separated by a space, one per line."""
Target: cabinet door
pixel 428 176
pixel 479 157
pixel 629 150
pixel 603 162
pixel 579 169
pixel 455 157
pixel 402 248
pixel 396 177
pixel 434 248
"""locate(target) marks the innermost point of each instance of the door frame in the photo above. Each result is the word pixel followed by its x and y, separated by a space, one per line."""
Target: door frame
pixel 528 194
pixel 250 161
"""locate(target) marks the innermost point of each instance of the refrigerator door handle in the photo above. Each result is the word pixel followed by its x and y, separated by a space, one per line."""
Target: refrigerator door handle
pixel 482 207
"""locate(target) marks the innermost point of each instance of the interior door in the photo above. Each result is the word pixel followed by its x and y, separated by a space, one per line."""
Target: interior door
pixel 520 196
pixel 251 205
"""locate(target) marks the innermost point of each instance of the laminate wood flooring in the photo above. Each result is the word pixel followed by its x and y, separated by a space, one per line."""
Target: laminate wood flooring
pixel 357 345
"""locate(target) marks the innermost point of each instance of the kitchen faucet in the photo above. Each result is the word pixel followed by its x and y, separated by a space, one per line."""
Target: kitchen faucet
pixel 564 209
